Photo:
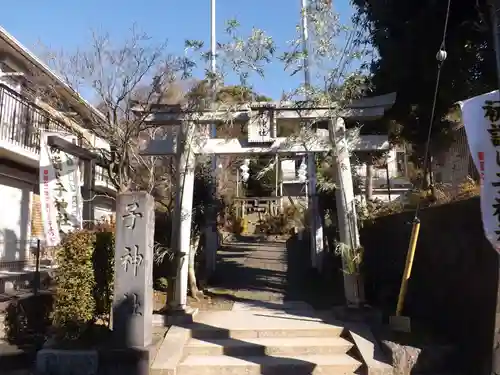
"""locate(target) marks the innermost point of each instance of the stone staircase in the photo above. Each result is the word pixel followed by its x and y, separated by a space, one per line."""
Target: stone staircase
pixel 257 342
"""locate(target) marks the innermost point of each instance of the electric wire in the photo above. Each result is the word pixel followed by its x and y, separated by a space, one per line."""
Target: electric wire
pixel 434 102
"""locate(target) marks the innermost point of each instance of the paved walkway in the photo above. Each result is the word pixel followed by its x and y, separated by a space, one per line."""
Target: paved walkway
pixel 275 326
pixel 265 273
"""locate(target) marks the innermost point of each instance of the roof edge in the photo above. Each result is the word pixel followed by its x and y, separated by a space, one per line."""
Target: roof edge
pixel 33 59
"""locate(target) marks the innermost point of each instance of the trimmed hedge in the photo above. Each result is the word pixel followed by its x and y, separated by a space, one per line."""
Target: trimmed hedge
pixel 103 260
pixel 85 276
pixel 74 305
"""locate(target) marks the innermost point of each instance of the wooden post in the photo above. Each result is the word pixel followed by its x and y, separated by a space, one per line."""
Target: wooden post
pixel 88 189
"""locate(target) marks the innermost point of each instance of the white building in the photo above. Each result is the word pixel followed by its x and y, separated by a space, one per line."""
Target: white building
pixel 24 112
pixel 388 183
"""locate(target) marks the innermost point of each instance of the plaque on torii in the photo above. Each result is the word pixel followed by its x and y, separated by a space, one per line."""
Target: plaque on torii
pixel 262 124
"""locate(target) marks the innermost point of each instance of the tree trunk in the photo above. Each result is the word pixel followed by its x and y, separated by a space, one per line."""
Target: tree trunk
pixel 369 181
pixel 193 283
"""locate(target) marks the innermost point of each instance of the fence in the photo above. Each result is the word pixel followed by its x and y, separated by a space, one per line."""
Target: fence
pixel 21 121
pixel 25 266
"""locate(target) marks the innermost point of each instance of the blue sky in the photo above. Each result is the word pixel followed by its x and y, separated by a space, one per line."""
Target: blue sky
pixel 65 25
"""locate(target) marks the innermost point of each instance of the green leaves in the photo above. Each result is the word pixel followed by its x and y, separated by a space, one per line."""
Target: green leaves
pixel 407 34
pixel 193 44
pixel 84 281
pixel 74 305
pixel 236 55
pixel 232 26
pixel 351 257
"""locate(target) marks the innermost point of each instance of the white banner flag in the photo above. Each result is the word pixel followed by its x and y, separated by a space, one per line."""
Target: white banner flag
pixel 47 187
pixel 60 192
pixel 481 117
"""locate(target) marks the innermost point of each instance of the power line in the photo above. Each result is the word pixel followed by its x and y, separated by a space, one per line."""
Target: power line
pixel 441 57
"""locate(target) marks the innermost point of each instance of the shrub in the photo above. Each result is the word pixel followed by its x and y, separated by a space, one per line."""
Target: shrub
pixel 375 208
pixel 161 284
pixel 164 266
pixel 469 188
pixel 27 319
pixel 273 225
pixel 74 305
pixel 103 264
pixel 296 216
pixel 283 223
pixel 351 257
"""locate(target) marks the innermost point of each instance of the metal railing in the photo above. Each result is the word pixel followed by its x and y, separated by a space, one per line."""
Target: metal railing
pixel 21 121
pixel 31 272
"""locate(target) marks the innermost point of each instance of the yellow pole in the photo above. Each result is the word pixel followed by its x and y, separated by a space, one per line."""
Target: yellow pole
pixel 409 263
pixel 244 225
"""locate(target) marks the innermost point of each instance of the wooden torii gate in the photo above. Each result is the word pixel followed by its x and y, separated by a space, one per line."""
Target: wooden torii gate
pixel 262 121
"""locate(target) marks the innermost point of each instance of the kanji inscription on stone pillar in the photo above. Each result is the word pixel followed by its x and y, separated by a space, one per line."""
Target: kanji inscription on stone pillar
pixel 133 301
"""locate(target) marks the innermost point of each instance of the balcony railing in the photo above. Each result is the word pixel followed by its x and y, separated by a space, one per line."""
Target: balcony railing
pixel 21 121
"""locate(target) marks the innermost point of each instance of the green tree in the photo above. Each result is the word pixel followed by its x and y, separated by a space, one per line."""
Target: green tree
pixel 262 179
pixel 407 35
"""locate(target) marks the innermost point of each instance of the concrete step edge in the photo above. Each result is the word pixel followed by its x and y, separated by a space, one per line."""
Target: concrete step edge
pixel 272 341
pixel 221 333
pixel 246 361
pixel 269 346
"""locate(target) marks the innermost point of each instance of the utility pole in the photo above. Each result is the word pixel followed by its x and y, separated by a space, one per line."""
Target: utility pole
pixel 316 226
pixel 305 44
pixel 213 48
pixel 211 234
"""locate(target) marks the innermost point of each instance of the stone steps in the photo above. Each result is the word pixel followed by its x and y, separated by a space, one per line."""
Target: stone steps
pixel 269 365
pixel 220 333
pixel 269 346
pixel 265 342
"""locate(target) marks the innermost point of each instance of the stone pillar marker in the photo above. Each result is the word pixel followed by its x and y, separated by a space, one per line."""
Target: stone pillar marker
pixel 133 289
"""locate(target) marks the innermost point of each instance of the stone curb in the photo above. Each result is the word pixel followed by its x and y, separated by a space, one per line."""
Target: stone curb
pixel 171 351
pixel 369 350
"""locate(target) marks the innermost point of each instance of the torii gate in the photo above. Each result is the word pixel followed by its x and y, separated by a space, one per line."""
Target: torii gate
pixel 262 120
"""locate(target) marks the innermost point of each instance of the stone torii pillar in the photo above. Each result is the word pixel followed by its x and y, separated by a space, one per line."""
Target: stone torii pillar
pixel 182 220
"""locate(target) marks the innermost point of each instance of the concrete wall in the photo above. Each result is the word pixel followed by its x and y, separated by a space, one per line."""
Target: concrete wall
pixel 14 219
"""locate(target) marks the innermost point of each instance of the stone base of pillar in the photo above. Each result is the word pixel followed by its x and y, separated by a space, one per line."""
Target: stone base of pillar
pixel 370 316
pixel 354 290
pixel 176 315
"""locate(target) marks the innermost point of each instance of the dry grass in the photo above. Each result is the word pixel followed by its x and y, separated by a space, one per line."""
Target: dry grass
pixel 443 194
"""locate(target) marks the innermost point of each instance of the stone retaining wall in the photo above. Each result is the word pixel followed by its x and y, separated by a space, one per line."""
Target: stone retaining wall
pixel 455 276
